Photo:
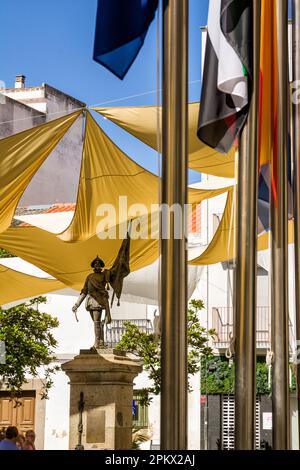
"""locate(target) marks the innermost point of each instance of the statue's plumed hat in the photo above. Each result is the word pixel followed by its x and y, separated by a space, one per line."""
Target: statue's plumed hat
pixel 102 264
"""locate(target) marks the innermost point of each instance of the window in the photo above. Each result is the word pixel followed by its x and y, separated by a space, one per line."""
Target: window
pixel 139 412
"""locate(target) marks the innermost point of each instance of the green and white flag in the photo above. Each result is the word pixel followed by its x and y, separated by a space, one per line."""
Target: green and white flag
pixel 226 86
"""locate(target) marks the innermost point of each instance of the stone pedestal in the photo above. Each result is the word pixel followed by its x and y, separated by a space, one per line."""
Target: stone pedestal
pixel 106 379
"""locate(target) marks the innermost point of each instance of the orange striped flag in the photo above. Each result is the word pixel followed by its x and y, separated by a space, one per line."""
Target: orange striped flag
pixel 268 90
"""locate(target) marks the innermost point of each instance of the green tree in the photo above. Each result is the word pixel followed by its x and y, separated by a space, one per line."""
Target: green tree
pixel 29 344
pixel 147 348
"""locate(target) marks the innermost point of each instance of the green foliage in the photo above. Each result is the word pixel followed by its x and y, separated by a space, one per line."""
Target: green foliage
pixel 293 385
pixel 262 384
pixel 5 254
pixel 217 376
pixel 147 348
pixel 29 345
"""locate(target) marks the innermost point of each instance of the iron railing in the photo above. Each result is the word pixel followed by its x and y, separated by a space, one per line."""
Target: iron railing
pixel 222 323
pixel 116 329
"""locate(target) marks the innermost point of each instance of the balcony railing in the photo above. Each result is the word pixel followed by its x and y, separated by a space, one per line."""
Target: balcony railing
pixel 222 323
pixel 116 330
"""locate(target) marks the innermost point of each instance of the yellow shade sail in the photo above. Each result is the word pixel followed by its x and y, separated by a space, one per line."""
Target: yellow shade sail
pixel 222 245
pixel 142 123
pixel 108 174
pixel 113 188
pixel 70 262
pixel 196 196
pixel 21 155
pixel 16 285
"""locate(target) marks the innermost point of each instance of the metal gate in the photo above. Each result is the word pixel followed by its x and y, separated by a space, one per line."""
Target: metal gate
pixel 228 410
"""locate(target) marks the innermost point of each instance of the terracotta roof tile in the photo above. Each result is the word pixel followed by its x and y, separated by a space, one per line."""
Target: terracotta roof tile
pixel 46 209
pixel 36 210
pixel 60 208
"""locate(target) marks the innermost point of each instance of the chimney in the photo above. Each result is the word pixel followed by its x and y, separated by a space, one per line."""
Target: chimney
pixel 20 81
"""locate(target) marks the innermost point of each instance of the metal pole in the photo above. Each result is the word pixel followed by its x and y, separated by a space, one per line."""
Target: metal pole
pixel 174 191
pixel 279 255
pixel 245 279
pixel 206 416
pixel 296 192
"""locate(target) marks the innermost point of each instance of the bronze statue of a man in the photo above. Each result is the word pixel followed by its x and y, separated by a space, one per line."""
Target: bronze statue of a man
pixel 96 295
pixel 96 286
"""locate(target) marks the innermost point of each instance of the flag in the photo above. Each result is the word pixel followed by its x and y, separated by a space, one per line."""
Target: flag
pixel 263 199
pixel 268 118
pixel 227 74
pixel 264 186
pixel 120 269
pixel 121 28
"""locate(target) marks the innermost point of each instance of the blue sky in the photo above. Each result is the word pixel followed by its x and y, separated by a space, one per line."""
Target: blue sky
pixel 52 42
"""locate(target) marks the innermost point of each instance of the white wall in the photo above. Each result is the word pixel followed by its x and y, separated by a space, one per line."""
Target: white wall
pixel 57 414
pixel 71 336
pixel 294 424
pixel 194 413
pixel 215 285
pixel 56 181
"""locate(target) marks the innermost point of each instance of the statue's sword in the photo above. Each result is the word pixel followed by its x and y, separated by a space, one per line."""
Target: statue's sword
pixel 75 313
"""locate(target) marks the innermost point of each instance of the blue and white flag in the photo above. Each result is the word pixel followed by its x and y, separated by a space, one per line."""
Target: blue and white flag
pixel 121 28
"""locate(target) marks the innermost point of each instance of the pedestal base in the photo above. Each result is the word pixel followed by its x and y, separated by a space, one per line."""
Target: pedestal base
pixel 106 379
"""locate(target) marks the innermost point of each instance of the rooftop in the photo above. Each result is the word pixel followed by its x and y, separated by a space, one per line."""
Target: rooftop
pixel 37 210
pixel 20 88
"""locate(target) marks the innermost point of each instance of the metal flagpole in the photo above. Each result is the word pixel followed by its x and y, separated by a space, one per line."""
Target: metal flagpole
pixel 174 191
pixel 245 278
pixel 296 188
pixel 279 250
